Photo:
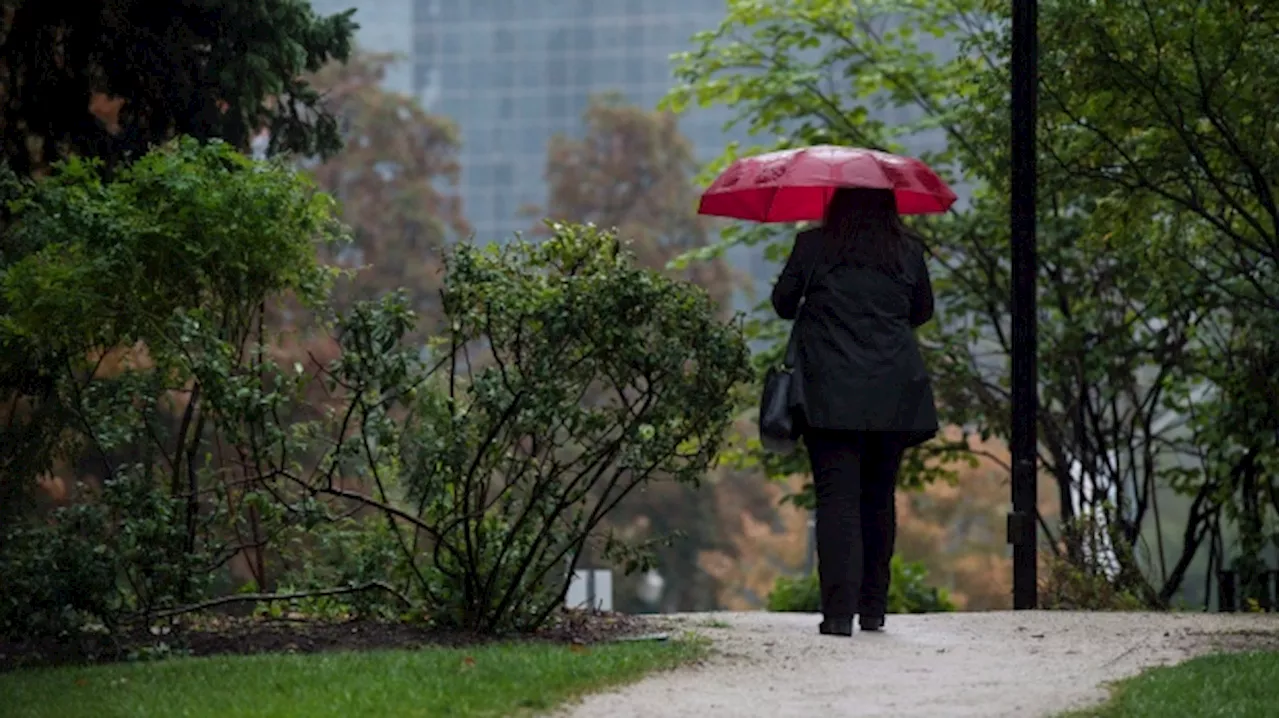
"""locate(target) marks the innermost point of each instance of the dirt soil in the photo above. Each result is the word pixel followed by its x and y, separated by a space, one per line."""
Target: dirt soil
pixel 215 634
pixel 959 664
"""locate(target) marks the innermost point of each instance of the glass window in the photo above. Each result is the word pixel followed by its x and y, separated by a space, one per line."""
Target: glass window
pixel 533 138
pixel 657 69
pixel 498 140
pixel 557 72
pixel 633 35
pixel 484 107
pixel 608 71
pixel 583 72
pixel 558 41
pixel 583 38
pixel 479 40
pixel 557 106
pixel 451 44
pixel 632 71
pixel 529 74
pixel 451 10
pixel 578 105
pixel 480 73
pixel 611 35
pixel 504 75
pixel 531 106
pixel 556 8
pixel 501 204
pixel 478 204
pixel 504 41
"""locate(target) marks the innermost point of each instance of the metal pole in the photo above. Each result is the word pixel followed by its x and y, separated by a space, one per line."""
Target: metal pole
pixel 1022 520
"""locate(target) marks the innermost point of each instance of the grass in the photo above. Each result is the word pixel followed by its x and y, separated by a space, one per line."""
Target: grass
pixel 1236 685
pixel 498 680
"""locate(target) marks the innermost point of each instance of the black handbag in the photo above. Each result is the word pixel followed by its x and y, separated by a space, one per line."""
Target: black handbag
pixel 782 402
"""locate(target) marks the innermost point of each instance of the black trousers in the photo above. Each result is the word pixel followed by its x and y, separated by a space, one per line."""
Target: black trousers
pixel 855 476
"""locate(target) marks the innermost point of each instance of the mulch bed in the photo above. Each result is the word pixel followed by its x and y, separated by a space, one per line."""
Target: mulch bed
pixel 209 635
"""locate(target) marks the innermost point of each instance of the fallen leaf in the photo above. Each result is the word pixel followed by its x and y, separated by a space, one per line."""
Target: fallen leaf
pixel 81 682
pixel 468 662
pixel 578 648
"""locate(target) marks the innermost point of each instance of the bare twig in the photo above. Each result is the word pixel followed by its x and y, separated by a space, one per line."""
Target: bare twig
pixel 265 597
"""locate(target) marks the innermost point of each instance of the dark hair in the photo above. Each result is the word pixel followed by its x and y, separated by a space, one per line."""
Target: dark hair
pixel 865 227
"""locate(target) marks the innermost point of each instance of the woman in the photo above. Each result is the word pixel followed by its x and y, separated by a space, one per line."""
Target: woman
pixel 864 388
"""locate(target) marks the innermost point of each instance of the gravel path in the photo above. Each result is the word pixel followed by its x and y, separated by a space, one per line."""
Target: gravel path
pixel 1022 664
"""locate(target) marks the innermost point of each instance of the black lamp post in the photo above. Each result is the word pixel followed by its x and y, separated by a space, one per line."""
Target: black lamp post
pixel 1022 520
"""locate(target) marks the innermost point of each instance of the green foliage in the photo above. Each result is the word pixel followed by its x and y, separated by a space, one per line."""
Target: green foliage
pixel 909 592
pixel 503 679
pixel 575 378
pixel 190 228
pixel 795 595
pixel 458 487
pixel 208 70
pixel 819 71
pixel 1157 194
pixel 99 560
pixel 141 298
pixel 1228 684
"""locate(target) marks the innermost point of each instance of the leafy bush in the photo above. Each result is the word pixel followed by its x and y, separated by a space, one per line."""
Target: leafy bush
pixel 461 486
pixel 136 304
pixel 909 592
pixel 1098 576
pixel 568 378
pixel 103 558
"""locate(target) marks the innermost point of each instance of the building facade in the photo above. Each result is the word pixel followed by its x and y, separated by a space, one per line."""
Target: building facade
pixel 386 26
pixel 514 73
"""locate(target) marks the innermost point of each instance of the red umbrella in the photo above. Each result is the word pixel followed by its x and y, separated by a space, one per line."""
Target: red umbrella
pixel 796 185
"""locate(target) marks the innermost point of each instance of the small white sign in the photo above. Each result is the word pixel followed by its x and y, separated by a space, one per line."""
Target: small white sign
pixel 591 589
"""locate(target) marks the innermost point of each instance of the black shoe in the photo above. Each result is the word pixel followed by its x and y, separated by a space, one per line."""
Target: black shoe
pixel 837 626
pixel 871 623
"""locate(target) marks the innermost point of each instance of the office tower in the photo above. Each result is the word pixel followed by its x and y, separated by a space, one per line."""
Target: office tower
pixel 386 26
pixel 513 73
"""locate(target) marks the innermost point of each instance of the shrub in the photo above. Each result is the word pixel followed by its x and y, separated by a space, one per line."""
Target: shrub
pixel 568 378
pixel 136 303
pixel 462 485
pixel 909 592
pixel 1101 577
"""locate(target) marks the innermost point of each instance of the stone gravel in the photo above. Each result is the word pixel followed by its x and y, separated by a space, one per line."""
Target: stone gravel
pixel 1024 664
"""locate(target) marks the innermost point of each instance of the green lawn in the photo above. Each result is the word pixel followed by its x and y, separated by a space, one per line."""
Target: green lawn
pixel 1240 685
pixel 498 680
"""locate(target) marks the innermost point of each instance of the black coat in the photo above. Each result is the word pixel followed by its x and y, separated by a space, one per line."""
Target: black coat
pixel 859 365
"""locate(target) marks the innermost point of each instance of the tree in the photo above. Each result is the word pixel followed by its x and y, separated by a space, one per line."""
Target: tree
pixel 162 273
pixel 633 169
pixel 1157 196
pixel 111 81
pixel 387 179
pixel 1191 143
pixel 206 70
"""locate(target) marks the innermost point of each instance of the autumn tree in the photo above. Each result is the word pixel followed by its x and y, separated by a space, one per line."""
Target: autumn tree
pixel 1158 258
pixel 390 179
pixel 109 81
pixel 632 169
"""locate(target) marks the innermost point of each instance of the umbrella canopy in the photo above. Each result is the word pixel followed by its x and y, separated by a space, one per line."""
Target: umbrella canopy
pixel 796 185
